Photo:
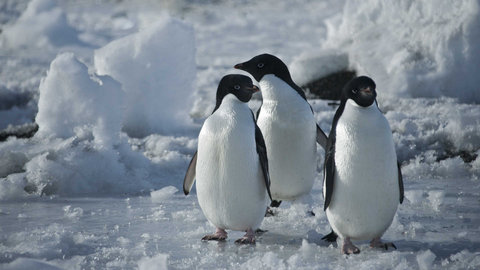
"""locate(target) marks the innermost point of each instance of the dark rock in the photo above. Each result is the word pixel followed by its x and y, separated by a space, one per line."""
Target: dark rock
pixel 467 157
pixel 22 131
pixel 13 98
pixel 330 86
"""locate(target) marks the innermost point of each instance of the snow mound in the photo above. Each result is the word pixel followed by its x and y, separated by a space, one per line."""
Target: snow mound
pixel 156 67
pixel 42 25
pixel 72 103
pixel 310 66
pixel 81 149
pixel 163 194
pixel 412 48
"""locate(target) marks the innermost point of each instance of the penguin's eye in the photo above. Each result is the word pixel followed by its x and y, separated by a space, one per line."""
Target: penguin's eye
pixel 260 65
pixel 354 91
pixel 236 87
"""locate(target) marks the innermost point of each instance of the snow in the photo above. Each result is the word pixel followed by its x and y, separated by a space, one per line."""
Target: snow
pixel 313 65
pixel 43 25
pixel 425 260
pixel 412 48
pixel 156 68
pixel 158 262
pixel 163 194
pixel 72 103
pixel 119 91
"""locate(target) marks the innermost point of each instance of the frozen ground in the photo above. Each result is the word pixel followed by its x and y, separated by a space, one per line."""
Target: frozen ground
pixel 120 89
pixel 436 227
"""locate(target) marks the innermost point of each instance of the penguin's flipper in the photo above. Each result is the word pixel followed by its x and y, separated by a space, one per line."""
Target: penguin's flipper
pixel 329 171
pixel 262 155
pixel 321 137
pixel 190 175
pixel 400 182
pixel 258 112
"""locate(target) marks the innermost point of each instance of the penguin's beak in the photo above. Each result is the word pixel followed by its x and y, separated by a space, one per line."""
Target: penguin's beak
pixel 239 66
pixel 366 91
pixel 254 89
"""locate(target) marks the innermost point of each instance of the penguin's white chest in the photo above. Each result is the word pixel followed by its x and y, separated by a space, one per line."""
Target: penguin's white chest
pixel 230 186
pixel 289 129
pixel 366 190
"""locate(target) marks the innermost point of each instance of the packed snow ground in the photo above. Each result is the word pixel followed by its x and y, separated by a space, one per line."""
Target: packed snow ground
pixel 119 91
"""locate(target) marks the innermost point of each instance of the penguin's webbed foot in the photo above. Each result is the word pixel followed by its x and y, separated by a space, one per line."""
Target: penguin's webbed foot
pixel 269 212
pixel 219 235
pixel 248 238
pixel 377 243
pixel 348 247
pixel 275 203
pixel 331 237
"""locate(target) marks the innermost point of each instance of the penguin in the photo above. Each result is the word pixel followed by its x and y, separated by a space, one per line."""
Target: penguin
pixel 231 165
pixel 362 178
pixel 289 127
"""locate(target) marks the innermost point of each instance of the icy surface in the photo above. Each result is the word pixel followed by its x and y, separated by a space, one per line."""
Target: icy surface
pixel 140 232
pixel 99 186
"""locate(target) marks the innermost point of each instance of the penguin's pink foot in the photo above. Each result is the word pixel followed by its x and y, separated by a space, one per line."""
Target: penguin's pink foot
pixel 219 235
pixel 248 238
pixel 348 247
pixel 377 243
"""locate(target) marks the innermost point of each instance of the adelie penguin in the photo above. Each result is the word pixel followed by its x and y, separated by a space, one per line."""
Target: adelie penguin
pixel 289 127
pixel 230 165
pixel 363 182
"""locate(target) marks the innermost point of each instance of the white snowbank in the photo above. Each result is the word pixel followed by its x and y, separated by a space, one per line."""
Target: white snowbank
pixel 80 148
pixel 163 194
pixel 156 67
pixel 412 48
pixel 73 103
pixel 42 25
pixel 430 134
pixel 313 65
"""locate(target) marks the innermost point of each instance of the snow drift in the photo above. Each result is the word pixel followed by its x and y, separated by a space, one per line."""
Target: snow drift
pixel 42 25
pixel 72 102
pixel 412 48
pixel 156 67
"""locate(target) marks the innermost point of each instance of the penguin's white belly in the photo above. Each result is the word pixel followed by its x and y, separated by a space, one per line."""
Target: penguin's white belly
pixel 230 186
pixel 289 129
pixel 365 191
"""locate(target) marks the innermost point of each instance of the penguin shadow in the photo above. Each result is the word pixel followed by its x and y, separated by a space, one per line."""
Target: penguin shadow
pixel 275 238
pixel 229 246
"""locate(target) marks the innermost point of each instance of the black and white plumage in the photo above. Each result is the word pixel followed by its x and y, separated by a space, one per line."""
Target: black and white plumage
pixel 230 165
pixel 289 128
pixel 362 183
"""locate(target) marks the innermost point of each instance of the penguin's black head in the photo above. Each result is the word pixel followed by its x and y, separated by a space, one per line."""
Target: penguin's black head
pixel 361 90
pixel 264 64
pixel 239 85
